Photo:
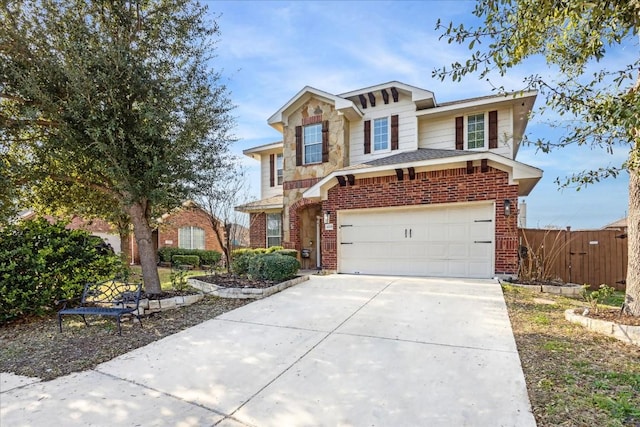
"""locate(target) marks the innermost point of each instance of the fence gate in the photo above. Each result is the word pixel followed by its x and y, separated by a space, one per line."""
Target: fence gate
pixel 591 257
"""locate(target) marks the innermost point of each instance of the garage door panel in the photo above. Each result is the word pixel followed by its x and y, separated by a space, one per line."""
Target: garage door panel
pixel 436 232
pixel 458 232
pixel 435 241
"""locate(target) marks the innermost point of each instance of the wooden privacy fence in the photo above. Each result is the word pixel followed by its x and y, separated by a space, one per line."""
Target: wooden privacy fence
pixel 592 257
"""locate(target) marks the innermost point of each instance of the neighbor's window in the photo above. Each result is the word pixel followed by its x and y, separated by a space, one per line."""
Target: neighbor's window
pixel 274 230
pixel 381 134
pixel 313 143
pixel 475 131
pixel 279 169
pixel 191 238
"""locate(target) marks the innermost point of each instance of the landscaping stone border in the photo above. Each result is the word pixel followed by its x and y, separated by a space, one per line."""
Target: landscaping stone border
pixel 254 293
pixel 568 290
pixel 148 306
pixel 627 333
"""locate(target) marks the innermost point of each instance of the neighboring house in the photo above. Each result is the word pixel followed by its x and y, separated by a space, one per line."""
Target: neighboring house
pixel 385 180
pixel 96 227
pixel 239 236
pixel 619 225
pixel 187 227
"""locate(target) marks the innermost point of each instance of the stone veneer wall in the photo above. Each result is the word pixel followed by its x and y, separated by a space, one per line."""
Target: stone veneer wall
pixel 430 188
pixel 296 179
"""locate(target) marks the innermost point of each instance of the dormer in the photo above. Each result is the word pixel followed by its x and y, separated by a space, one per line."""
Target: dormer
pixel 389 124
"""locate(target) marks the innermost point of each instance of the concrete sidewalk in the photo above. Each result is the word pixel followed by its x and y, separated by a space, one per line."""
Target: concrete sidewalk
pixel 335 350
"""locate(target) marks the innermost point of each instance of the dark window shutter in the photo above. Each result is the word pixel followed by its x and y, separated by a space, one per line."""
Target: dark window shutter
pixel 493 129
pixel 460 133
pixel 325 141
pixel 394 132
pixel 272 169
pixel 367 136
pixel 298 145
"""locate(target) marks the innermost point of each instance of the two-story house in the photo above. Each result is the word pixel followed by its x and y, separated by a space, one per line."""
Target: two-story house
pixel 385 180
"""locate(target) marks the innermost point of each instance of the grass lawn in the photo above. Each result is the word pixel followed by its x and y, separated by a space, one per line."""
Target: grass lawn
pixel 575 377
pixel 165 275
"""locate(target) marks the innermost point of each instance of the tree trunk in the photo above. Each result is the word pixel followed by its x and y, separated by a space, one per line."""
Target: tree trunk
pixel 144 237
pixel 632 298
pixel 125 246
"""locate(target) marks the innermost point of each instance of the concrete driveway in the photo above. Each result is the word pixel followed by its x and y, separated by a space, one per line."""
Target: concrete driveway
pixel 334 351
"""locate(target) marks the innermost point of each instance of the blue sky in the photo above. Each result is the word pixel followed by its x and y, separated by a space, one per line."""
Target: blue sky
pixel 269 51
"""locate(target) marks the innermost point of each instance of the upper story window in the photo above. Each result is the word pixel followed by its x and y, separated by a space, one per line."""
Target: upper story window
pixel 313 143
pixel 279 169
pixel 191 238
pixel 381 134
pixel 274 230
pixel 475 131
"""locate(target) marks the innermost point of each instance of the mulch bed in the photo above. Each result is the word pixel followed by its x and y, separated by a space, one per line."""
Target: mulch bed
pixel 611 316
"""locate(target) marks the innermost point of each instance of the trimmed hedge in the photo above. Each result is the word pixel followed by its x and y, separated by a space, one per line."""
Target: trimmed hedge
pixel 211 258
pixel 193 260
pixel 41 263
pixel 274 266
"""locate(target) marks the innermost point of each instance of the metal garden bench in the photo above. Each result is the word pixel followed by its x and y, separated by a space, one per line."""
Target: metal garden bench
pixel 110 298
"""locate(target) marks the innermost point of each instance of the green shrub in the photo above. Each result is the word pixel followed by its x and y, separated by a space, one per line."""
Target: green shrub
pixel 207 257
pixel 41 263
pixel 240 262
pixel 211 258
pixel 273 266
pixel 288 252
pixel 165 254
pixel 193 260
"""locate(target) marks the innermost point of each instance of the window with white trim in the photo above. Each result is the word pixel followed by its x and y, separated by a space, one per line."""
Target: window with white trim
pixel 475 131
pixel 381 134
pixel 191 238
pixel 279 169
pixel 313 143
pixel 274 230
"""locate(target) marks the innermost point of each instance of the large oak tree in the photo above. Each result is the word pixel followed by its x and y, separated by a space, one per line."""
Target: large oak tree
pixel 601 104
pixel 116 97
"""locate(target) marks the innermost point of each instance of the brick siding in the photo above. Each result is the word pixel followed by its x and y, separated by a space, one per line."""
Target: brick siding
pixel 185 217
pixel 431 188
pixel 258 230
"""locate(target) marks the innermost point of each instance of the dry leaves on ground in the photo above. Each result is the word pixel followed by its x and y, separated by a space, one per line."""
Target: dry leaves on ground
pixel 34 347
pixel 575 377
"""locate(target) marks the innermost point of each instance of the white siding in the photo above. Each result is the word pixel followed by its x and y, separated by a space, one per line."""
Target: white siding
pixel 440 132
pixel 437 133
pixel 265 190
pixel 407 129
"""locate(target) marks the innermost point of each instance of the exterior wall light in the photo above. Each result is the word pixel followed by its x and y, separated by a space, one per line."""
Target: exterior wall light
pixel 327 217
pixel 507 207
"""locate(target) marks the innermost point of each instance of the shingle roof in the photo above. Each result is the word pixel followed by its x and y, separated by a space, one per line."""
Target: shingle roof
pixel 418 155
pixel 268 203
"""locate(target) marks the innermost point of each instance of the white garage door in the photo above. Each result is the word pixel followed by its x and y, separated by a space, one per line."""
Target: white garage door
pixel 452 241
